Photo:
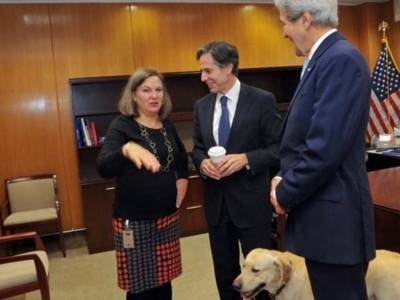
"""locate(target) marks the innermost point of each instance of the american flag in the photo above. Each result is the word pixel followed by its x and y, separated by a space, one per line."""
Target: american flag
pixel 385 111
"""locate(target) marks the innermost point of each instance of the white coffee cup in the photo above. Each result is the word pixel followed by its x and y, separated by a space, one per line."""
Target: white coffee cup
pixel 216 154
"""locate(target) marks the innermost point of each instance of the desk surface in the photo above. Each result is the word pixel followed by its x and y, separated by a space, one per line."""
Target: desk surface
pixel 384 153
pixel 385 187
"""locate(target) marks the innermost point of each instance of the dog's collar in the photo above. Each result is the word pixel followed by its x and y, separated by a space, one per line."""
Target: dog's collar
pixel 278 291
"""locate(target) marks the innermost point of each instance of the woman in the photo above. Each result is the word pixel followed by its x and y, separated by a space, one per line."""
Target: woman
pixel 143 151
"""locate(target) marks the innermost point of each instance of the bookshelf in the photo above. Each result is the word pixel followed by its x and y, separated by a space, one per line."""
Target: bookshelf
pixel 95 100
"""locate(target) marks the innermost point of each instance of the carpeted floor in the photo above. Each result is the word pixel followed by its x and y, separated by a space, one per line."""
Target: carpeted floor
pixel 83 276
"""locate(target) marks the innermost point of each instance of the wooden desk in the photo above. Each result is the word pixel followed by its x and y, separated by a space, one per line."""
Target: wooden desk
pixel 378 161
pixel 385 190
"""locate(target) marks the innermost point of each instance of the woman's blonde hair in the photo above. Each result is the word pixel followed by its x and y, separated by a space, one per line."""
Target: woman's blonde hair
pixel 128 107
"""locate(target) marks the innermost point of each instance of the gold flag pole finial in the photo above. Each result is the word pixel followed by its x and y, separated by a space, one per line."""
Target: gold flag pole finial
pixel 383 26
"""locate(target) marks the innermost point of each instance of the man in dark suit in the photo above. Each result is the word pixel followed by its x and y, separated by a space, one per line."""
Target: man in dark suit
pixel 236 190
pixel 323 185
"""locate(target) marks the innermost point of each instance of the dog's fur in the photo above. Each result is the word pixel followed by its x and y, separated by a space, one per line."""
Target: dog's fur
pixel 284 276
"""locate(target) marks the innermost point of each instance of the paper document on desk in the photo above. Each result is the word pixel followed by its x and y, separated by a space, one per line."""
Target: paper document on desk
pixel 395 153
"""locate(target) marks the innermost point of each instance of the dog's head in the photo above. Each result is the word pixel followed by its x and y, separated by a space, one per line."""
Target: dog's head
pixel 263 270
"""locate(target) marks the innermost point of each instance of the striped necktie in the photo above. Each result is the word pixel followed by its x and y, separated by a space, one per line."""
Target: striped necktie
pixel 224 126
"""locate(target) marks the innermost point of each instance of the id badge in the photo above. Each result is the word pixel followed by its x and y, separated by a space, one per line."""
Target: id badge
pixel 128 237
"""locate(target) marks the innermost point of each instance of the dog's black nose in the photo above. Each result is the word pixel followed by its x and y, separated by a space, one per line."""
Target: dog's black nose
pixel 237 286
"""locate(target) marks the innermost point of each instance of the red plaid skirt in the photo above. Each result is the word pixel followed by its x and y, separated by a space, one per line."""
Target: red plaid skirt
pixel 156 257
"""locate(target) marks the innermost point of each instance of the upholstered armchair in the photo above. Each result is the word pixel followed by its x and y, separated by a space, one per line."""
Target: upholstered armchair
pixel 32 203
pixel 25 272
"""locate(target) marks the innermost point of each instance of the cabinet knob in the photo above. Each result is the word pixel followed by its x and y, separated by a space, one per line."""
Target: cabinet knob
pixel 111 188
pixel 194 207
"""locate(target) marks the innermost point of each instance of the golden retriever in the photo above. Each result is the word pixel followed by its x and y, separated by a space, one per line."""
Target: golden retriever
pixel 284 276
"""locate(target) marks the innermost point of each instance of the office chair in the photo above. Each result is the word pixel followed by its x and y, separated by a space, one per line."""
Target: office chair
pixel 31 202
pixel 26 272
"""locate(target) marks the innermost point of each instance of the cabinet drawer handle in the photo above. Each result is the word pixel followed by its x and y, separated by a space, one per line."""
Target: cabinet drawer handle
pixel 194 176
pixel 194 207
pixel 110 188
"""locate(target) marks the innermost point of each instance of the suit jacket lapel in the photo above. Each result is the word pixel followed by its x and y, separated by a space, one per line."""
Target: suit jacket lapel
pixel 326 44
pixel 209 117
pixel 241 111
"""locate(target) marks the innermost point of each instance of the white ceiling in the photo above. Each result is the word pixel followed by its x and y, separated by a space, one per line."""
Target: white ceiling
pixel 341 2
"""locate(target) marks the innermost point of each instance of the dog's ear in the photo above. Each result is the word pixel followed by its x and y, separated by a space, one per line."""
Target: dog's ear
pixel 285 268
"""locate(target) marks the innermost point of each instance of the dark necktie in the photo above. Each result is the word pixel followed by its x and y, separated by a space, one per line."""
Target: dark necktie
pixel 224 126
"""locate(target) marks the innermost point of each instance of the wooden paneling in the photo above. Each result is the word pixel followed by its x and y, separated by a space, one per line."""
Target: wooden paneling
pixel 239 24
pixel 377 14
pixel 89 40
pixel 281 50
pixel 347 26
pixel 44 45
pixel 370 15
pixel 393 32
pixel 166 36
pixel 254 29
pixel 29 115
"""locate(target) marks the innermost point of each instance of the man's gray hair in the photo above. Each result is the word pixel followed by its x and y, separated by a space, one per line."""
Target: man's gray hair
pixel 325 12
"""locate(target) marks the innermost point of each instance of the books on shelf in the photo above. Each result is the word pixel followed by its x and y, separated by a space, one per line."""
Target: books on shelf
pixel 94 133
pixel 86 134
pixel 79 138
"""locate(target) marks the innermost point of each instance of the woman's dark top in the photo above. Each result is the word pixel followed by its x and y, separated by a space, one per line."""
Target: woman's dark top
pixel 141 194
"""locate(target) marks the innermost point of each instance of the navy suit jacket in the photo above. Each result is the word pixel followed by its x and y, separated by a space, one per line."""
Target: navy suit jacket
pixel 254 131
pixel 324 185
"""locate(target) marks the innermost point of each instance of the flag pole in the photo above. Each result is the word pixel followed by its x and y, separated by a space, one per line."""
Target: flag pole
pixel 383 26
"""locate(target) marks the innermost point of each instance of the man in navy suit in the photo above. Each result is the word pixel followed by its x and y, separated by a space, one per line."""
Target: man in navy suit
pixel 236 190
pixel 323 185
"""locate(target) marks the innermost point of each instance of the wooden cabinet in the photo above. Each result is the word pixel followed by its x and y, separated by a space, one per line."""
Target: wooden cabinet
pixel 383 177
pixel 97 204
pixel 96 97
pixel 385 191
pixel 387 228
pixel 95 101
pixel 191 212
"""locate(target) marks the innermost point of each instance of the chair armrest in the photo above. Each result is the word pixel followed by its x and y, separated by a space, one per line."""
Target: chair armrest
pixel 39 266
pixel 23 236
pixel 21 257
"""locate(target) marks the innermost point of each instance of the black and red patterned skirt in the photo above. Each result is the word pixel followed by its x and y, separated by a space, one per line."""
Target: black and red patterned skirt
pixel 156 257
